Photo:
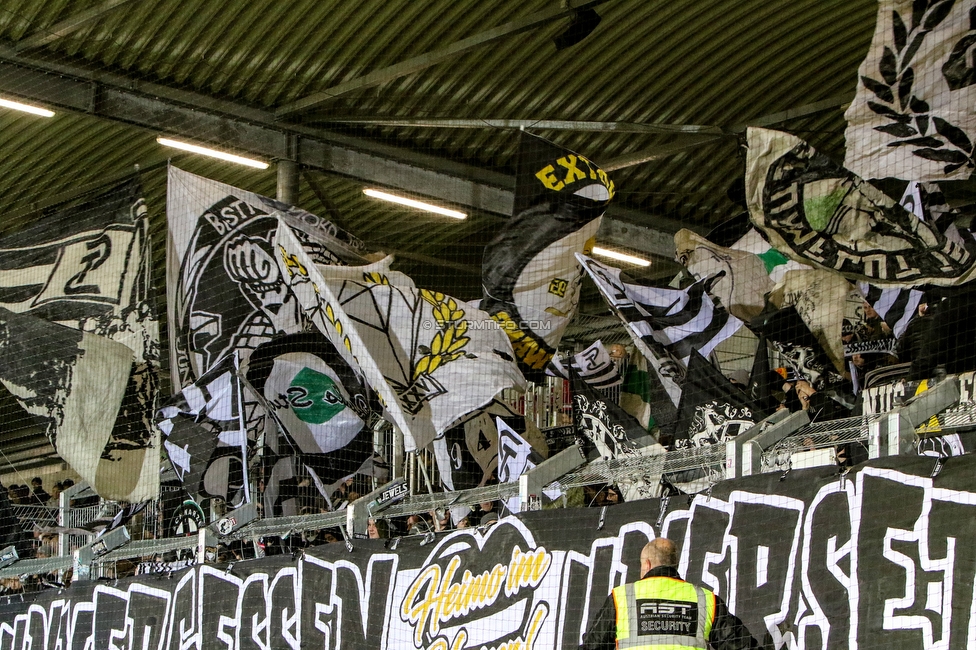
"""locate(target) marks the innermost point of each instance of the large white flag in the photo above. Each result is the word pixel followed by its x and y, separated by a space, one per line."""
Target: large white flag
pixel 429 357
pixel 86 266
pixel 913 115
pixel 821 214
pixel 224 292
pixel 73 382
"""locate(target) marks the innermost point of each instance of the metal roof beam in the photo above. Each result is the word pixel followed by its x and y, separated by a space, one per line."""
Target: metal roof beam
pixel 69 25
pixel 656 153
pixel 553 125
pixel 428 59
pixel 694 141
pixel 202 119
pixel 830 103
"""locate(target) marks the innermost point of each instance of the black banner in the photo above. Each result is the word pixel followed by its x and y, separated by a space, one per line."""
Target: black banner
pixel 879 558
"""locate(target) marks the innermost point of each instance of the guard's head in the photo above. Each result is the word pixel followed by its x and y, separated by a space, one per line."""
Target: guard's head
pixel 658 552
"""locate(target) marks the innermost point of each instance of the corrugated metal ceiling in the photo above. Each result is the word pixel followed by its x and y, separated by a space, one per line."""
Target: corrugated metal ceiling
pixel 684 62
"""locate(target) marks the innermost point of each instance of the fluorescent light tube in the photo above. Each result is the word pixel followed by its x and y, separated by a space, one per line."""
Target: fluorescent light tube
pixel 27 108
pixel 213 153
pixel 420 205
pixel 621 257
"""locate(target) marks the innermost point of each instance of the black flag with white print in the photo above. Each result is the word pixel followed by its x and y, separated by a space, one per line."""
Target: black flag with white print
pixel 205 437
pixel 593 365
pixel 665 324
pixel 713 410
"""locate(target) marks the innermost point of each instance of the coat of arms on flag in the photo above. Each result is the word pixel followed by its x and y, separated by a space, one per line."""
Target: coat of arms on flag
pixel 805 358
pixel 607 429
pixel 224 291
pixel 323 410
pixel 821 214
pixel 609 433
pixel 713 410
pixel 430 358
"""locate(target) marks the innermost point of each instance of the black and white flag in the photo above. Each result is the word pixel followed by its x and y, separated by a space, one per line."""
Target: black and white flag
pixel 467 453
pixel 123 516
pixel 323 409
pixel 665 324
pixel 609 433
pixel 516 456
pixel 803 354
pixel 224 289
pixel 594 366
pixel 73 383
pixel 912 116
pixel 205 437
pixel 713 410
pixel 84 264
pixel 529 275
pixel 896 307
pixel 821 214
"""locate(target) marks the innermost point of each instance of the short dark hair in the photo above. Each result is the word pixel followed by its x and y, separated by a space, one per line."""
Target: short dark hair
pixel 382 528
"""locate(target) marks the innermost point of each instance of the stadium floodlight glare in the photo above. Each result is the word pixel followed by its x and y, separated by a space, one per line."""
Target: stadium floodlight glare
pixel 213 153
pixel 413 203
pixel 620 257
pixel 26 108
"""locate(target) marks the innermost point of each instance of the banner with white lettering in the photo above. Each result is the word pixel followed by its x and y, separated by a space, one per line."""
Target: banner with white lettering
pixel 85 264
pixel 810 560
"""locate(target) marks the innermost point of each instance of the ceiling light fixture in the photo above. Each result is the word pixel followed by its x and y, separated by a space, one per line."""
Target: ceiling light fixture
pixel 213 153
pixel 620 257
pixel 26 108
pixel 413 203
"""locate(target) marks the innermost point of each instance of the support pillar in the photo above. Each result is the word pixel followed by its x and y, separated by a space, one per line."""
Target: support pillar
pixel 288 181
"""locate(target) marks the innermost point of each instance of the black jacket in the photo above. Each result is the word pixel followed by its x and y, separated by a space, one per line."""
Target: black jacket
pixel 728 632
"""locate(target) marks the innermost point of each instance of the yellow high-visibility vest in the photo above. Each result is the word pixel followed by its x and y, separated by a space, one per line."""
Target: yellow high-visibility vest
pixel 663 613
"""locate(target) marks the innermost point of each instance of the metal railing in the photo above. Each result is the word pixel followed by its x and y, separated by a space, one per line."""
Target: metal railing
pixel 713 463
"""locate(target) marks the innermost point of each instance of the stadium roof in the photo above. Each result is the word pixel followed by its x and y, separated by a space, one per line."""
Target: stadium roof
pixel 423 97
pixel 368 92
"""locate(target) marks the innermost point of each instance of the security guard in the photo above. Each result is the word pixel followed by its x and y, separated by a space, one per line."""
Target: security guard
pixel 663 612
